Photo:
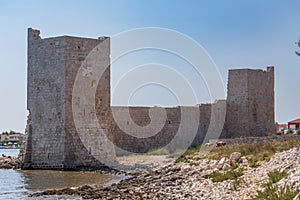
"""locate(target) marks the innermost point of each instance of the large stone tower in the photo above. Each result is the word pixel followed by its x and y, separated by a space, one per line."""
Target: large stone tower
pixel 250 103
pixel 53 139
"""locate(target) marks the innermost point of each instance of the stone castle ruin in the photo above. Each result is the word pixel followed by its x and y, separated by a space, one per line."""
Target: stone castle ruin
pixel 55 142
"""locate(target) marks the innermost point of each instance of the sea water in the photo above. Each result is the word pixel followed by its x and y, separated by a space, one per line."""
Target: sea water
pixel 17 184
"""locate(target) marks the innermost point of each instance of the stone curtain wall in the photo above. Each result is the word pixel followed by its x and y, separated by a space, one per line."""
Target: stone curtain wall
pixel 125 142
pixel 140 115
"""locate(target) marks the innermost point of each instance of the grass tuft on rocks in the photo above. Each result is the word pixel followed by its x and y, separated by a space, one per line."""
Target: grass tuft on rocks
pixel 276 175
pixel 189 154
pixel 237 184
pixel 228 175
pixel 274 192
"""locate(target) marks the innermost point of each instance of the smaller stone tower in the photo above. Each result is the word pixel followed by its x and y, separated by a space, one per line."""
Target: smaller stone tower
pixel 250 103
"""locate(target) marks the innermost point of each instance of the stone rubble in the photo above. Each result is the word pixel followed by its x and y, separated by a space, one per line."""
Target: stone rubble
pixel 290 163
pixel 9 163
pixel 186 180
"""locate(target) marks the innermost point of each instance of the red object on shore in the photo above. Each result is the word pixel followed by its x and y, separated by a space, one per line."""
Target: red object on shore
pixel 221 143
pixel 295 122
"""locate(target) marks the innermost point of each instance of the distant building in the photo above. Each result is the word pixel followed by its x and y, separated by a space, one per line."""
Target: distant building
pixel 4 137
pixel 15 138
pixel 280 127
pixel 295 124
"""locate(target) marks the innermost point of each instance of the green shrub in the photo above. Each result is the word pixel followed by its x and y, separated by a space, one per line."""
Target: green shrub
pixel 276 176
pixel 237 184
pixel 234 166
pixel 157 151
pixel 272 192
pixel 253 163
pixel 191 153
pixel 219 177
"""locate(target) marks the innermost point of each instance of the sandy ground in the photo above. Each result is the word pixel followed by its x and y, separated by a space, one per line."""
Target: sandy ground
pixel 150 162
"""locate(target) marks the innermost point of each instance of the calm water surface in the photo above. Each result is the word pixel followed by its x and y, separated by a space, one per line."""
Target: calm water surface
pixel 15 184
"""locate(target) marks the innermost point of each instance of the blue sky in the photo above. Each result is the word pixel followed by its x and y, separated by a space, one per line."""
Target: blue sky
pixel 236 34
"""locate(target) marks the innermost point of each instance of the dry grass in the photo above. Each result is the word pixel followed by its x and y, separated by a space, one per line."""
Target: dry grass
pixel 228 175
pixel 254 152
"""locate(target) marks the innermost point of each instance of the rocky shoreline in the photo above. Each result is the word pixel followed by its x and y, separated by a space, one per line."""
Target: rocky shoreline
pixel 192 180
pixel 7 162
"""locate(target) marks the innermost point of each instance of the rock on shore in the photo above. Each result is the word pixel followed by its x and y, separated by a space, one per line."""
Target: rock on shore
pixel 9 163
pixel 186 180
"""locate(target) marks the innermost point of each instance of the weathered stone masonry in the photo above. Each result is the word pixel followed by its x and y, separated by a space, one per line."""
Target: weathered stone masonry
pixel 52 67
pixel 140 116
pixel 53 141
pixel 250 102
